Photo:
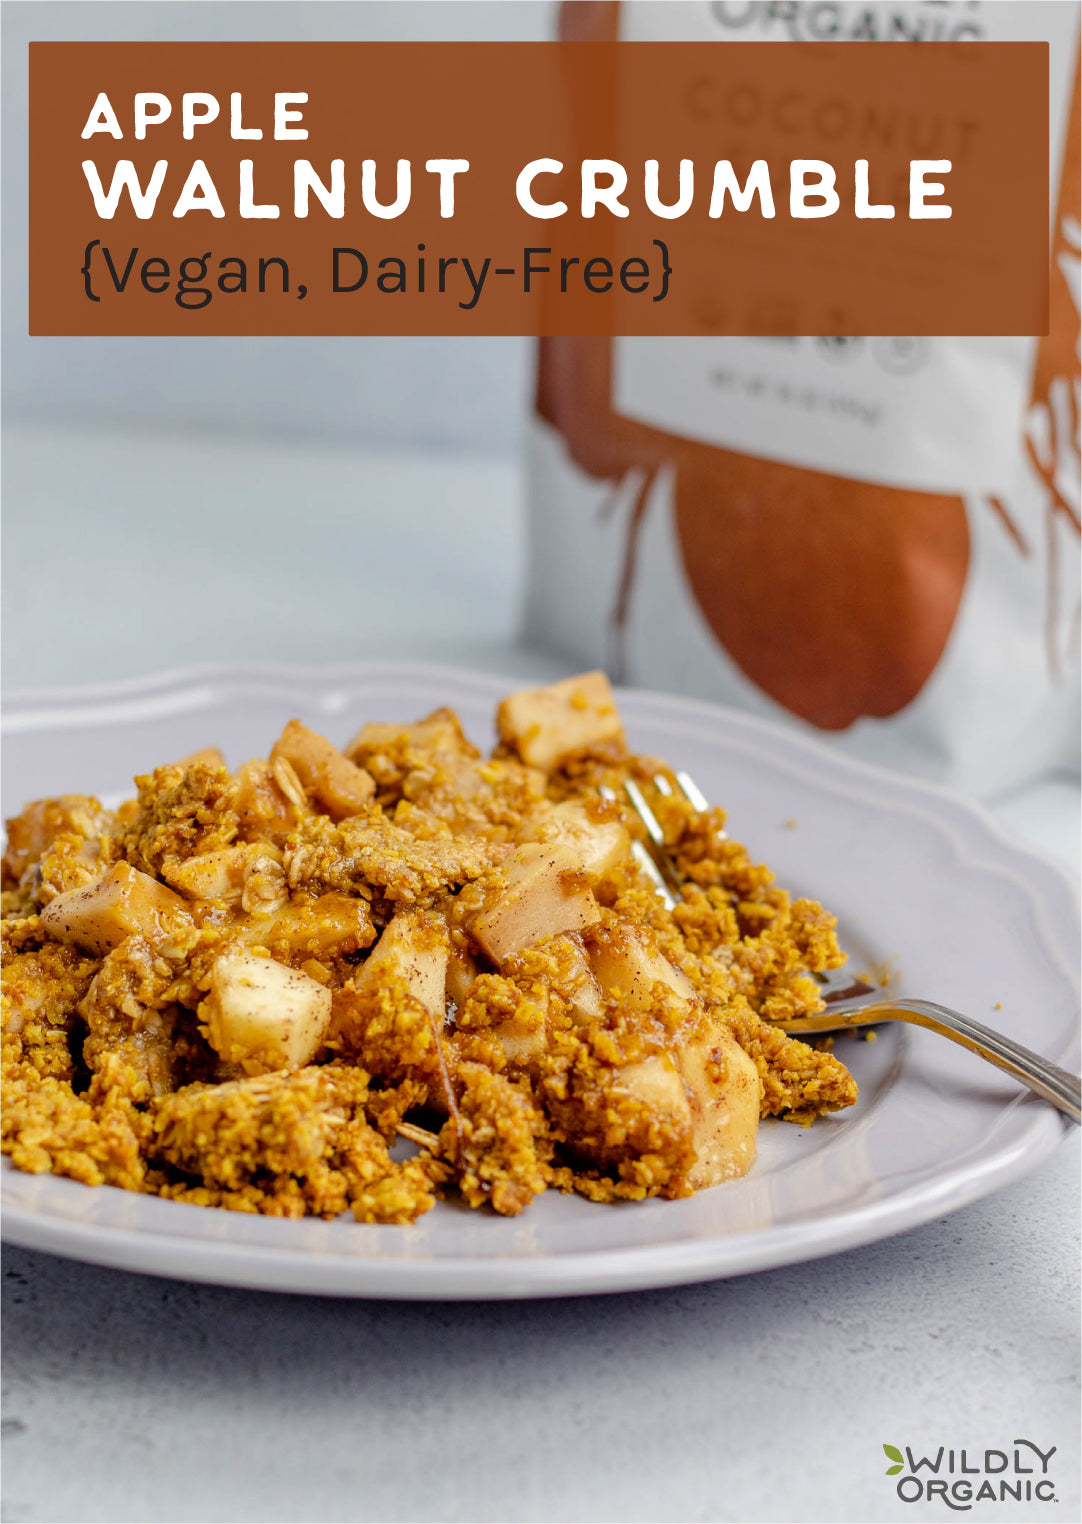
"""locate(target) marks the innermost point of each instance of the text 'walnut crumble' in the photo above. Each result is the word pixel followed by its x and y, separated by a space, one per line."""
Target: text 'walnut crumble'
pixel 242 989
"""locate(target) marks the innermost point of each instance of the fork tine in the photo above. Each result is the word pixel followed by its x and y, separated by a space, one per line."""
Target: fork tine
pixel 653 873
pixel 645 813
pixel 693 794
pixel 692 791
pixel 660 862
pixel 644 859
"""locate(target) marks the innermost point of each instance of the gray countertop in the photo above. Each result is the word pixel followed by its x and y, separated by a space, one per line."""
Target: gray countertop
pixel 765 1397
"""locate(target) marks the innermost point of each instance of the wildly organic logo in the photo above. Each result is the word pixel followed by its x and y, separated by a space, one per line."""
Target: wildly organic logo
pixel 952 1475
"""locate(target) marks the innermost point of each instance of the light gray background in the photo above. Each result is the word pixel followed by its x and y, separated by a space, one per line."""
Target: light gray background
pixel 314 500
pixel 446 393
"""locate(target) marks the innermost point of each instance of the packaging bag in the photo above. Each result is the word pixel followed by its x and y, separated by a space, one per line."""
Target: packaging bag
pixel 874 538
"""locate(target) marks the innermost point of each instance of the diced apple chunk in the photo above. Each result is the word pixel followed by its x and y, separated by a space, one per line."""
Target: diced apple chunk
pixel 266 812
pixel 440 732
pixel 519 1047
pixel 462 970
pixel 721 1082
pixel 338 784
pixel 599 845
pixel 120 903
pixel 724 1086
pixel 216 875
pixel 262 1015
pixel 524 1036
pixel 710 1088
pixel 587 1004
pixel 207 756
pixel 545 726
pixel 626 963
pixel 322 928
pixel 656 1082
pixel 541 892
pixel 413 950
pixel 33 831
pixel 571 978
pixel 577 983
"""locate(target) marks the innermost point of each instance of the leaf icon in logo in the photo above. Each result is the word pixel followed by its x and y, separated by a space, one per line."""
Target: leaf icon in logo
pixel 892 1453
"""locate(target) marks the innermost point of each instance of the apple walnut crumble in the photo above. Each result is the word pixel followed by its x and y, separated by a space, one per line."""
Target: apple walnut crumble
pixel 244 989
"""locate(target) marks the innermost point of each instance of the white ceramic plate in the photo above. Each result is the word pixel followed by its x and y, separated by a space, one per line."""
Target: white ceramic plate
pixel 919 880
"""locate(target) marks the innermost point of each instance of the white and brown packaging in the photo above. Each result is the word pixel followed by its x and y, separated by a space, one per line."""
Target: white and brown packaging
pixel 874 538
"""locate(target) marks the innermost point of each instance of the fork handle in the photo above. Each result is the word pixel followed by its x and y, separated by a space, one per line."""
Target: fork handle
pixel 1030 1069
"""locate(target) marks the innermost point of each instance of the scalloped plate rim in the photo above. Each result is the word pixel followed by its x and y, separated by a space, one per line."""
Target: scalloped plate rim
pixel 564 1273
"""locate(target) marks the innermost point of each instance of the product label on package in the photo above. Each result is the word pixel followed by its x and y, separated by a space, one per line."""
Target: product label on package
pixel 924 414
pixel 934 415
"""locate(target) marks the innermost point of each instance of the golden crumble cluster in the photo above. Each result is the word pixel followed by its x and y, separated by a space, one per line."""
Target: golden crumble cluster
pixel 245 989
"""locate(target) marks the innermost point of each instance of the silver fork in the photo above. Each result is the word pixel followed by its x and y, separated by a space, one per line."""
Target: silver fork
pixel 852 1002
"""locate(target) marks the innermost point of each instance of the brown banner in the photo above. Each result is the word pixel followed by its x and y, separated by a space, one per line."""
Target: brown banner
pixel 406 188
